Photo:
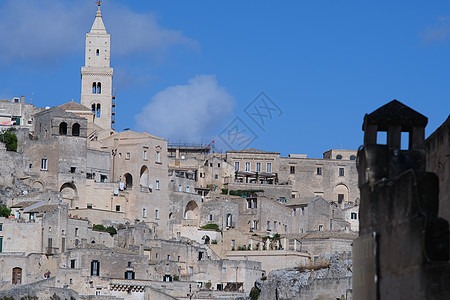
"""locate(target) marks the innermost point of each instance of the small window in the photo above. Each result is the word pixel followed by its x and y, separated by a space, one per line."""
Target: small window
pixel 187 189
pixel 76 231
pixel 97 52
pixel 236 166
pixel 168 257
pixel 354 216
pixel 89 206
pixel 216 176
pixel 73 263
pixel 218 165
pixel 338 156
pixel 320 227
pixel 30 166
pixel 179 258
pixel 294 212
pixel 340 198
pixel 247 166
pixel 274 225
pixel 144 213
pixel 129 275
pixel 258 167
pixel 94 90
pixel 44 162
pixel 233 243
pixel 117 207
pixel 191 270
pixel 95 268
pixel 352 157
pixel 341 171
pixel 145 155
pixel 269 168
pixel 285 228
pixel 210 217
pixel 224 270
pixel 1 226
pixel 158 156
pixel 292 170
pixel 268 225
pixel 157 185
pixel 319 171
pixel 156 214
pixel 180 188
pixel 72 169
pixel 128 155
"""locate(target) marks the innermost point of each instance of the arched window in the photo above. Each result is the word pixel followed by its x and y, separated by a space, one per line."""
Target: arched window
pixel 97 52
pixel 98 110
pixel 128 180
pixel 63 128
pixel 99 88
pixel 94 88
pixel 17 276
pixel 93 108
pixel 339 156
pixel 352 157
pixel 76 129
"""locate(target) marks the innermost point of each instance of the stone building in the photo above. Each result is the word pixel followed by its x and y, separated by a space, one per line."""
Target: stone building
pixel 16 113
pixel 402 250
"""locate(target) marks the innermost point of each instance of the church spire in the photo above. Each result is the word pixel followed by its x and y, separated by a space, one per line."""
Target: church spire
pixel 98 27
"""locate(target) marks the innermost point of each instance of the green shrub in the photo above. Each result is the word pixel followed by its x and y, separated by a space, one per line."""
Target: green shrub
pixel 99 227
pixel 214 242
pixel 225 191
pixel 111 230
pixel 254 293
pixel 211 226
pixel 176 277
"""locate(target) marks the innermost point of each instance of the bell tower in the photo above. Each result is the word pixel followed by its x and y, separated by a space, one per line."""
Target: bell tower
pixel 96 75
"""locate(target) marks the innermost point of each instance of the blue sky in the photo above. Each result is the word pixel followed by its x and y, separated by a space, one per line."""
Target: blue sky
pixel 185 70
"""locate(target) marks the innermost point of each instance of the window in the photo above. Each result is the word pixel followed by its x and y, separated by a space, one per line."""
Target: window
pixel 268 225
pixel 233 243
pixel 76 232
pixel 210 217
pixel 97 53
pixel 94 90
pixel 1 226
pixel 255 224
pixel 224 270
pixel 247 166
pixel 269 167
pixel 341 171
pixel 200 255
pixel 258 167
pixel 218 165
pixel 117 207
pixel 1 244
pixel 191 270
pixel 236 166
pixel 99 90
pixel 73 169
pixel 98 292
pixel 352 157
pixel 129 275
pixel 216 176
pixel 157 185
pixel 63 128
pixel 285 228
pixel 339 156
pixel 144 213
pixel 73 263
pixel 145 155
pixel 229 220
pixel 30 166
pixel 274 225
pixel 17 276
pixel 340 198
pixel 179 258
pixel 292 170
pixel 103 178
pixel 156 214
pixel 187 189
pixel 319 171
pixel 294 212
pixel 98 110
pixel 128 155
pixel 168 257
pixel 158 156
pixel 76 129
pixel 180 188
pixel 354 216
pixel 89 206
pixel 320 227
pixel 167 268
pixel 44 164
pixel 95 268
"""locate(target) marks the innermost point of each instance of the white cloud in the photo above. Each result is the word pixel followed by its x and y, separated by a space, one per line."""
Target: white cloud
pixel 437 33
pixel 44 31
pixel 189 112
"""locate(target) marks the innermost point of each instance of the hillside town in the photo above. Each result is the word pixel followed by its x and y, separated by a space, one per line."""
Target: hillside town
pixel 89 212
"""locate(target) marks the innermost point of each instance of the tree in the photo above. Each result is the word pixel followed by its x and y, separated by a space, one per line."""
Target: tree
pixel 4 211
pixel 9 138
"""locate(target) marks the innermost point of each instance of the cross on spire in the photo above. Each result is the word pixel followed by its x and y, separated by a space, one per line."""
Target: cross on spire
pixel 99 2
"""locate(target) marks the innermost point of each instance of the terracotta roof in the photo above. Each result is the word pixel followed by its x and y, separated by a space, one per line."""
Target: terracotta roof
pixel 42 208
pixel 74 106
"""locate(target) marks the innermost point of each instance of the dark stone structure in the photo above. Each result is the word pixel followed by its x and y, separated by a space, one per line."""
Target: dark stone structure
pixel 402 251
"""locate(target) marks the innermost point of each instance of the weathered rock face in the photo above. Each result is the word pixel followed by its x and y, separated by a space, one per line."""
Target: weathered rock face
pixel 329 282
